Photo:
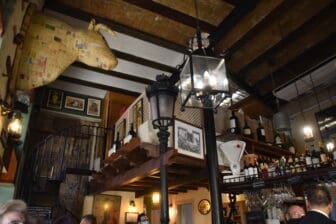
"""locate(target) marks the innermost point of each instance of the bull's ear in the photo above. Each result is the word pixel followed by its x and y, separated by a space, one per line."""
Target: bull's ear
pixel 100 26
pixel 92 24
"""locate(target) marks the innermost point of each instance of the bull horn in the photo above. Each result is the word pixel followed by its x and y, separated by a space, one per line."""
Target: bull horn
pixel 92 24
pixel 100 26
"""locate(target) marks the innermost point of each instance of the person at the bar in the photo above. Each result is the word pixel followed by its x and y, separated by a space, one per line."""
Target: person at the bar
pixel 319 204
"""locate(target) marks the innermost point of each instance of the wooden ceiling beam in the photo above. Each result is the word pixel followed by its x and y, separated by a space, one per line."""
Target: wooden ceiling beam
pixel 60 7
pixel 292 18
pixel 143 61
pixel 97 85
pixel 300 64
pixel 251 23
pixel 172 14
pixel 121 75
pixel 313 31
pixel 232 19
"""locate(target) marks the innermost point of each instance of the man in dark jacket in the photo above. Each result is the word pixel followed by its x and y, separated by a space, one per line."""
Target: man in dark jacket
pixel 294 214
pixel 319 205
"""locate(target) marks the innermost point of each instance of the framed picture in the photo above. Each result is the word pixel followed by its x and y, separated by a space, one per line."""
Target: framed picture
pixel 188 139
pixel 121 128
pixel 138 114
pixel 131 217
pixel 74 103
pixel 55 98
pixel 93 107
pixel 106 208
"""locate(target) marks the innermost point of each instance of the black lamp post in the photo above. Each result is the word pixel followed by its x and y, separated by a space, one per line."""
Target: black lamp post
pixel 162 96
pixel 204 84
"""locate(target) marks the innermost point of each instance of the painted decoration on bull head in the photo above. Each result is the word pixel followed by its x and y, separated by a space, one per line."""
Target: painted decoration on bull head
pixel 50 46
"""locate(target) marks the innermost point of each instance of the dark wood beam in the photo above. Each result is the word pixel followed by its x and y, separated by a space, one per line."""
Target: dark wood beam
pixel 85 16
pixel 172 14
pixel 281 51
pixel 272 15
pixel 114 73
pixel 246 26
pixel 96 85
pixel 233 2
pixel 299 65
pixel 143 61
pixel 232 19
pixel 277 29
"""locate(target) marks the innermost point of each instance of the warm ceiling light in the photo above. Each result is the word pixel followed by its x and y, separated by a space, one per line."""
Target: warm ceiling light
pixel 330 146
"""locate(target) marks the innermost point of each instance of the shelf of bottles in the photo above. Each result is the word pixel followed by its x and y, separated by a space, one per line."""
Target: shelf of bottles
pixel 287 173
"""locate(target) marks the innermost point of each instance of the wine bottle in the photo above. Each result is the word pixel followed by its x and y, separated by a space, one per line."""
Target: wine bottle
pixel 315 157
pixel 278 141
pixel 247 132
pixel 117 141
pixel 308 158
pixel 234 124
pixel 131 131
pixel 261 131
pixel 323 155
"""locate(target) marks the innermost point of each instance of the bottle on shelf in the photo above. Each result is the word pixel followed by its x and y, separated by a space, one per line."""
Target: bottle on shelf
pixel 117 141
pixel 261 131
pixel 131 131
pixel 315 157
pixel 247 132
pixel 234 123
pixel 323 155
pixel 308 158
pixel 278 141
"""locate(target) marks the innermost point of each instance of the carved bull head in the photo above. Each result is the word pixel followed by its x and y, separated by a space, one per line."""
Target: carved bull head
pixel 50 46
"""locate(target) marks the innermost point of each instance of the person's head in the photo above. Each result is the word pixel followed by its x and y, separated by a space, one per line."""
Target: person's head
pixel 318 197
pixel 13 212
pixel 88 219
pixel 294 212
pixel 142 219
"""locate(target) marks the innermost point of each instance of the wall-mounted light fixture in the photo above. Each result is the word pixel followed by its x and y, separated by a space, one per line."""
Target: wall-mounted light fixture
pixel 156 198
pixel 14 127
pixel 132 207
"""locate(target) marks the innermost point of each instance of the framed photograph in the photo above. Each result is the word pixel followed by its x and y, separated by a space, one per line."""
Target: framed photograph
pixel 131 217
pixel 55 98
pixel 121 128
pixel 106 208
pixel 138 114
pixel 74 103
pixel 93 107
pixel 188 139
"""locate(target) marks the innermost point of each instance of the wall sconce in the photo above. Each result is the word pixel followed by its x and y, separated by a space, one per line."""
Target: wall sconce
pixel 308 133
pixel 330 146
pixel 132 207
pixel 14 127
pixel 156 198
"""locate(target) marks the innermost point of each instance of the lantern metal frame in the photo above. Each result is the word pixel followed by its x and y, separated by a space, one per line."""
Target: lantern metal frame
pixel 162 87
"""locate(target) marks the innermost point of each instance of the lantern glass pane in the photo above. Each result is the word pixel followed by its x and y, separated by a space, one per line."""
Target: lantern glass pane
pixel 154 107
pixel 209 80
pixel 166 105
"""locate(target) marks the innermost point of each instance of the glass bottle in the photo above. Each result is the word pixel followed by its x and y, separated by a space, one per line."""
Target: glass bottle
pixel 261 131
pixel 234 124
pixel 117 141
pixel 315 157
pixel 278 141
pixel 323 155
pixel 247 132
pixel 131 131
pixel 308 158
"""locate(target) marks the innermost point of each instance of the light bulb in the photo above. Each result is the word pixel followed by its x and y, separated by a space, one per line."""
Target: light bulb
pixel 330 146
pixel 308 133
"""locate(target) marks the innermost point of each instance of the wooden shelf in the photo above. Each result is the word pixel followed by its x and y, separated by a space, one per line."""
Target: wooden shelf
pixel 136 167
pixel 291 179
pixel 257 147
